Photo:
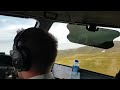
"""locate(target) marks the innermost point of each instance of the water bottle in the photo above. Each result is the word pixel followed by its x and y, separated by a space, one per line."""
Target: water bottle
pixel 75 74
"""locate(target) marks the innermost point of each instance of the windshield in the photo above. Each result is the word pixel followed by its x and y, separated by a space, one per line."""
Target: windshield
pixel 104 61
pixel 8 29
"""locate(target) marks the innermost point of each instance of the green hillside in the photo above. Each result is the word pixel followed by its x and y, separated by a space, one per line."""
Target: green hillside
pixel 105 61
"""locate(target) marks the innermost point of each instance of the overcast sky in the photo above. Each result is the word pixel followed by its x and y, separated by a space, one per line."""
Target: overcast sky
pixel 9 26
pixel 60 31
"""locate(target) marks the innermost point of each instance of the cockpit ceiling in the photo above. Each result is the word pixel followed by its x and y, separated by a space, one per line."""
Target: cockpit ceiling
pixel 105 18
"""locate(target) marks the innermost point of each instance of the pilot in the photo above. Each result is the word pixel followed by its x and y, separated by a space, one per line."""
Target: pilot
pixel 34 53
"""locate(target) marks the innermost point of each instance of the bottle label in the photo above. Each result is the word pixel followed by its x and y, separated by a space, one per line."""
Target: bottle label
pixel 75 69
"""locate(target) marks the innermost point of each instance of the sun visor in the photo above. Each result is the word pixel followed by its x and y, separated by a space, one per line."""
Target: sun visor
pixel 102 38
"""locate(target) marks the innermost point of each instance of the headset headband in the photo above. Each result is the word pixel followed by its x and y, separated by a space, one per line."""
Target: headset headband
pixel 17 38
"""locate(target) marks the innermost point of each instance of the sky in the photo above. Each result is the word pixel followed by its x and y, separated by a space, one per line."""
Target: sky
pixel 9 26
pixel 60 31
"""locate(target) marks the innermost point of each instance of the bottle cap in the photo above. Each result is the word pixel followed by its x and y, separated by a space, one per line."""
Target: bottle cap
pixel 76 60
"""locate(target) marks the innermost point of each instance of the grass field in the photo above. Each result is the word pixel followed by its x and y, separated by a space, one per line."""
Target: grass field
pixel 92 59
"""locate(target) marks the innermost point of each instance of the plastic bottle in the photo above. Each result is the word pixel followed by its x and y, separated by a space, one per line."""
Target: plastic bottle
pixel 75 74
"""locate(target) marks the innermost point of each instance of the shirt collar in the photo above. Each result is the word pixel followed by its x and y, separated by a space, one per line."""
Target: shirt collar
pixel 43 76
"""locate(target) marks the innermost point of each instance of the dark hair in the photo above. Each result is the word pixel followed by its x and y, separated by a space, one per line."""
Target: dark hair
pixel 42 46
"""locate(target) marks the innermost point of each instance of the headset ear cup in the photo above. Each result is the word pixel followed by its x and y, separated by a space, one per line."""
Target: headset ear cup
pixel 17 60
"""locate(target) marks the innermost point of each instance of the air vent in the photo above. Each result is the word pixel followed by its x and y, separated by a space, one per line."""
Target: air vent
pixel 50 15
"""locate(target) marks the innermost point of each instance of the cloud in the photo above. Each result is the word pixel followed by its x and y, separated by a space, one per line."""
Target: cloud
pixel 60 31
pixel 8 33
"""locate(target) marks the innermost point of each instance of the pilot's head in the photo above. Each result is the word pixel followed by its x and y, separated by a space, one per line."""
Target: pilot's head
pixel 34 49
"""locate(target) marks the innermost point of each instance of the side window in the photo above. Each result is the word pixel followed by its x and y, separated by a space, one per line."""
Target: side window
pixel 8 29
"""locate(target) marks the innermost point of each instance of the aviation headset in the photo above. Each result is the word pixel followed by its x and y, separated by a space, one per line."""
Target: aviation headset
pixel 20 54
